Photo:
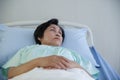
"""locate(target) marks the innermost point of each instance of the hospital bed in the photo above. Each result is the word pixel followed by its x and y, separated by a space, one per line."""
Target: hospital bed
pixel 15 35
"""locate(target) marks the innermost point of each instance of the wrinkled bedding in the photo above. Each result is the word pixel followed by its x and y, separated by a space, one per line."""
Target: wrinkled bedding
pixel 54 74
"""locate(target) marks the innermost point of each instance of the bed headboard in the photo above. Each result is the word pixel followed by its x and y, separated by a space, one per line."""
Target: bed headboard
pixel 33 24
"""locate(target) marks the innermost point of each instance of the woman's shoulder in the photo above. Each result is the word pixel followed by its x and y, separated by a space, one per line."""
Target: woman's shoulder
pixel 29 47
pixel 37 46
pixel 68 49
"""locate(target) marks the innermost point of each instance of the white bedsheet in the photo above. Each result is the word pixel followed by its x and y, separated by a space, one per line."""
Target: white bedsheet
pixel 54 74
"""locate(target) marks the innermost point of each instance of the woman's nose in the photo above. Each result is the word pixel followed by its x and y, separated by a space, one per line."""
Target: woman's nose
pixel 57 34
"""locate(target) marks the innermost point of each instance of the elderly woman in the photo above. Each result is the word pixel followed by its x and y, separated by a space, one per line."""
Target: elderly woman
pixel 47 53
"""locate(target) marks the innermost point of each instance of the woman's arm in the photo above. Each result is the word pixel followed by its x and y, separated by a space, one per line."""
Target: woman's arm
pixel 14 71
pixel 58 62
pixel 53 61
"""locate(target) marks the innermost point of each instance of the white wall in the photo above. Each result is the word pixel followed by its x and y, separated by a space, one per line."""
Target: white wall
pixel 102 16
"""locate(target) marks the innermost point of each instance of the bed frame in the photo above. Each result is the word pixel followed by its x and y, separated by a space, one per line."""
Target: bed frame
pixel 106 71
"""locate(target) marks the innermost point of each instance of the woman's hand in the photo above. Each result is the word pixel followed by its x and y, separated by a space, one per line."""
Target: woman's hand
pixel 73 64
pixel 57 62
pixel 53 61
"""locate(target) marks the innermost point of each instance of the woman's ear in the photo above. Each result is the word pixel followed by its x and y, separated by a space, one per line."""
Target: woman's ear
pixel 39 38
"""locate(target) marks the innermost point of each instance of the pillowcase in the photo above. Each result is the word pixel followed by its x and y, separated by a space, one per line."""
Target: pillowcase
pixel 14 38
pixel 75 39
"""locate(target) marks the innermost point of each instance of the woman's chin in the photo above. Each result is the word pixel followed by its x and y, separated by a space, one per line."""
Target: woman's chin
pixel 56 44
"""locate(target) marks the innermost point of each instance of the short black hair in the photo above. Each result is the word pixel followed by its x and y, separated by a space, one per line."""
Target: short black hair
pixel 39 32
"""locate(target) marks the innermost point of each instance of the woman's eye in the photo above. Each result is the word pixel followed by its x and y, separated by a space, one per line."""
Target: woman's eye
pixel 60 33
pixel 52 30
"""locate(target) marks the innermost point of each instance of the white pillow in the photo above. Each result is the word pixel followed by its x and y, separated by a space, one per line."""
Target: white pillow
pixel 12 39
pixel 75 39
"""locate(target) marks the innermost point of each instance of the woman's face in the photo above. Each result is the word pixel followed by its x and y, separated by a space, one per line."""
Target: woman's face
pixel 52 36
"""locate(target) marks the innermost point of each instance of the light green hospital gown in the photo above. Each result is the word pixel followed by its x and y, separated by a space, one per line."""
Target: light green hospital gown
pixel 35 51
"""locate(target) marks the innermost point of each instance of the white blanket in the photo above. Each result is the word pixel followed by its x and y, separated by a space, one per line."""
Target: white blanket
pixel 54 74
